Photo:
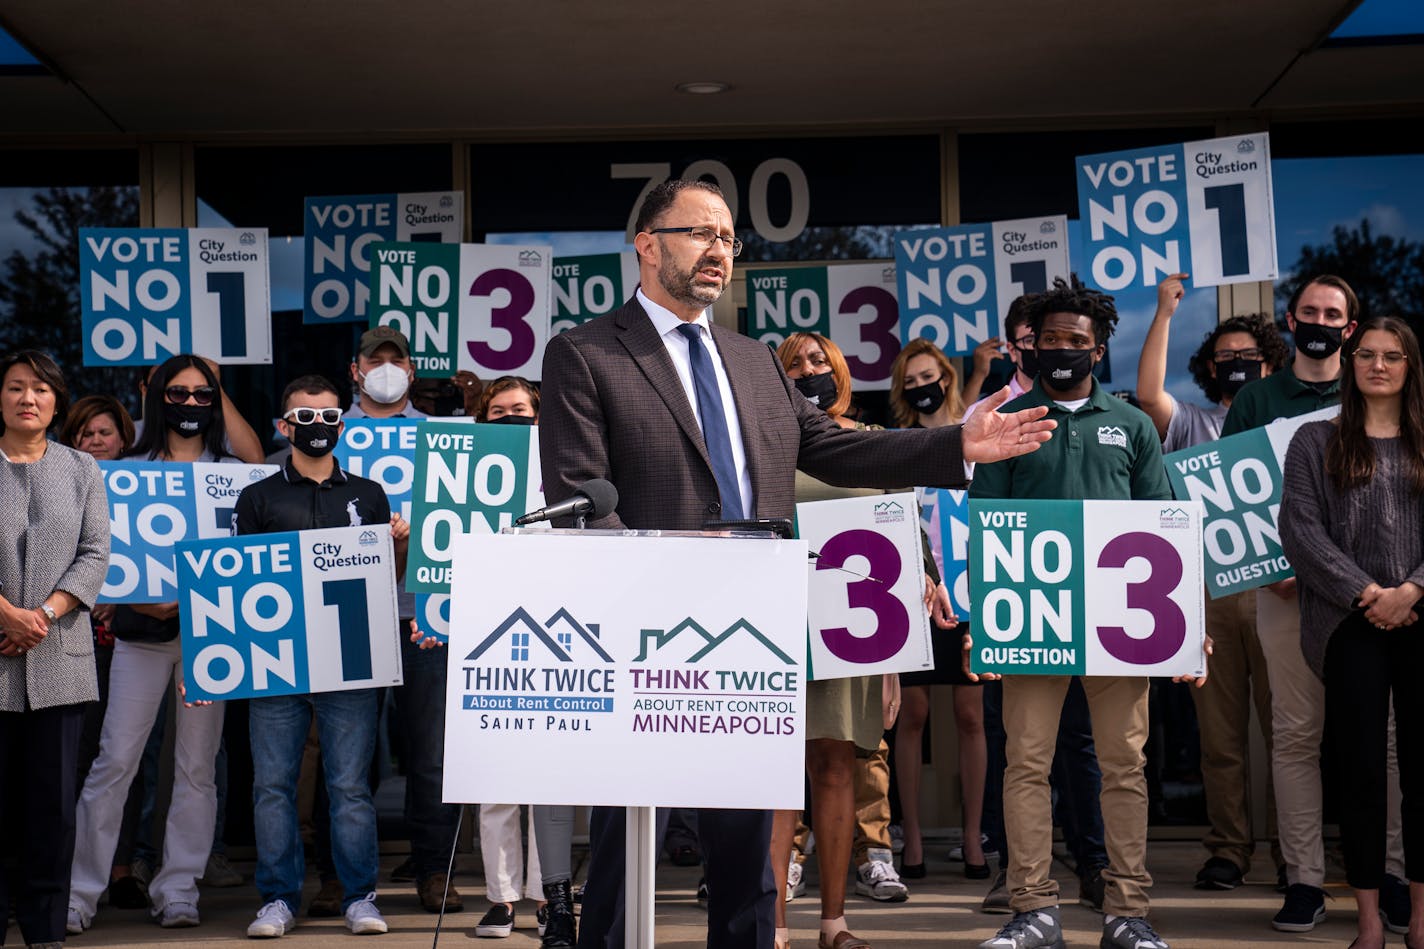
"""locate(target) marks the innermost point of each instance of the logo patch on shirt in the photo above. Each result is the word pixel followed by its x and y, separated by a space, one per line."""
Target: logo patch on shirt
pixel 1112 435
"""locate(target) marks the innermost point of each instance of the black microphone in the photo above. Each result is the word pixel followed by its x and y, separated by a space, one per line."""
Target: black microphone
pixel 596 498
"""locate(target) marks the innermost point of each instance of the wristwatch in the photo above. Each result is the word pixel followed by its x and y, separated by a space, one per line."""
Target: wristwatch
pixel 49 612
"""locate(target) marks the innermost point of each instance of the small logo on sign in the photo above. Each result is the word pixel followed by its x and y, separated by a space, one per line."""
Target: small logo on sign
pixel 887 275
pixel 256 474
pixel 1173 518
pixel 446 201
pixel 1048 227
pixel 1245 146
pixel 368 539
pixel 889 512
pixel 530 258
pixel 247 239
pixel 1112 435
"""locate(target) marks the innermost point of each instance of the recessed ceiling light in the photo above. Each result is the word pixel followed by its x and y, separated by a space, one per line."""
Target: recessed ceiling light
pixel 702 88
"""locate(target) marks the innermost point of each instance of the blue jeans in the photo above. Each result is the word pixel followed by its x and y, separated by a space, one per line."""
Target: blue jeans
pixel 346 726
pixel 421 700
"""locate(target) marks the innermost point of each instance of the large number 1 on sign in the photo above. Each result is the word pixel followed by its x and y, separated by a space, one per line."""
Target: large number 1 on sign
pixel 1169 625
pixel 232 312
pixel 1229 203
pixel 892 621
pixel 510 318
pixel 349 598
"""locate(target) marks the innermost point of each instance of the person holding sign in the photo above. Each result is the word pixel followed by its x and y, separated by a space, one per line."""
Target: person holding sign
pixel 54 551
pixel 692 423
pixel 312 491
pixel 1360 591
pixel 1322 315
pixel 1108 450
pixel 184 393
pixel 1237 351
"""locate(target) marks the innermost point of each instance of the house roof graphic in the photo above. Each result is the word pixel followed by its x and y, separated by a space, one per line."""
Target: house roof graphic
pixel 657 639
pixel 521 618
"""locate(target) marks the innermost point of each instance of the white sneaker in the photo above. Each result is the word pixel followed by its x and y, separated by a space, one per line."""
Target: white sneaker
pixel 273 920
pixel 877 879
pixel 362 917
pixel 176 915
pixel 795 881
pixel 75 924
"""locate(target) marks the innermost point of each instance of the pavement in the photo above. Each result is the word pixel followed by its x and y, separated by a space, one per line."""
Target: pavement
pixel 942 911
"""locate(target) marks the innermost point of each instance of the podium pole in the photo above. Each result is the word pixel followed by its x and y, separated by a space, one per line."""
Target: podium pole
pixel 640 887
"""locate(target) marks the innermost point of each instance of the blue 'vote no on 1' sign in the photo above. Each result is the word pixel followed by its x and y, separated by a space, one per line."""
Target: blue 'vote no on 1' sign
pixel 1087 587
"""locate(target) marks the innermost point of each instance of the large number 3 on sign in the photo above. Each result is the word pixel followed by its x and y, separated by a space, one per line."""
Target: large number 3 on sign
pixel 892 621
pixel 511 318
pixel 1169 625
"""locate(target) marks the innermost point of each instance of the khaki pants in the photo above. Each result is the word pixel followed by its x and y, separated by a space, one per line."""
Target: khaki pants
pixel 1118 706
pixel 1298 726
pixel 872 802
pixel 1237 680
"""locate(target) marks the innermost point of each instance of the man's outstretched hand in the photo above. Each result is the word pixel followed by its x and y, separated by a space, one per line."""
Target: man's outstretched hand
pixel 993 436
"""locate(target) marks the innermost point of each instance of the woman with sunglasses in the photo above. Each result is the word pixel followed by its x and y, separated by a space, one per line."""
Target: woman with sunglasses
pixel 183 393
pixel 1352 524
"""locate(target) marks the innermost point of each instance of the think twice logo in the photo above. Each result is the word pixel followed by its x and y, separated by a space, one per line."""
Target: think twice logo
pixel 1112 435
pixel 889 512
pixel 557 637
pixel 1173 518
pixel 652 641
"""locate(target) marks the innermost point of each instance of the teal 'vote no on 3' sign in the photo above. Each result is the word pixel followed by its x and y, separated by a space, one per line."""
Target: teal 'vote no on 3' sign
pixel 1086 587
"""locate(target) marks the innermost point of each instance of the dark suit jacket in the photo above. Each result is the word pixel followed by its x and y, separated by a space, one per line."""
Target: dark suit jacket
pixel 613 407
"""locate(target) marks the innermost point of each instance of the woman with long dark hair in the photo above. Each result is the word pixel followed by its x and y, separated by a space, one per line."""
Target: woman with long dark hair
pixel 1352 524
pixel 184 423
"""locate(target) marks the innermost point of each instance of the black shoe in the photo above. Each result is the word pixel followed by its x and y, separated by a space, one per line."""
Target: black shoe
pixel 912 871
pixel 685 855
pixel 404 871
pixel 702 893
pixel 1090 889
pixel 976 871
pixel 560 932
pixel 1393 901
pixel 128 893
pixel 1303 909
pixel 1218 873
pixel 497 923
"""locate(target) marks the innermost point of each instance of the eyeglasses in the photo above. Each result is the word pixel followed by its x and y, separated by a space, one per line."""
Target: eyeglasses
pixel 704 237
pixel 1227 355
pixel 1025 341
pixel 203 395
pixel 1367 357
pixel 306 416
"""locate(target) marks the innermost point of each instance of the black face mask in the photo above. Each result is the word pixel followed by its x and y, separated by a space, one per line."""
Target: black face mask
pixel 316 440
pixel 1318 341
pixel 1231 376
pixel 819 390
pixel 926 399
pixel 1028 362
pixel 1064 369
pixel 512 420
pixel 189 421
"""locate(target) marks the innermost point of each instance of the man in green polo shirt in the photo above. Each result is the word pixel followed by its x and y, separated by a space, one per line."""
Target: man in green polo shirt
pixel 1104 449
pixel 1321 314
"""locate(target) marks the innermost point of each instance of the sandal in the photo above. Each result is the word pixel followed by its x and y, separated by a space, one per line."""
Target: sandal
pixel 843 940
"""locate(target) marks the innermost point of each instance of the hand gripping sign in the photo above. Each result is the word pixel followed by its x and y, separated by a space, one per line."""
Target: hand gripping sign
pixel 1204 208
pixel 956 283
pixel 481 307
pixel 152 506
pixel 289 613
pixel 865 610
pixel 1087 587
pixel 851 304
pixel 1238 481
pixel 150 293
pixel 340 230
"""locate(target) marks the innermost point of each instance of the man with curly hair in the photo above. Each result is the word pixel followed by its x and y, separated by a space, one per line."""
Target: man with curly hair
pixel 1238 350
pixel 1105 449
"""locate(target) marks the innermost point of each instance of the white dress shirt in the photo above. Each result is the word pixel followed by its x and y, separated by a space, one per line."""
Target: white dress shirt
pixel 666 322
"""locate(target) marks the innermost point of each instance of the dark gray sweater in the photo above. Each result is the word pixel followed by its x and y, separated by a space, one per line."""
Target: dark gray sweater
pixel 1341 543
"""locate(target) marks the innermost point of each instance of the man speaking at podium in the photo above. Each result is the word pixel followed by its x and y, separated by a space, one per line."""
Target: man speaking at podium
pixel 693 423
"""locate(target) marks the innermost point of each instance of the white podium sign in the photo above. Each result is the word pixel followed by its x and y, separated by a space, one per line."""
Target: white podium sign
pixel 626 670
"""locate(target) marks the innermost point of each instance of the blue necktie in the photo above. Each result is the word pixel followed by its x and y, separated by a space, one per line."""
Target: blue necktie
pixel 714 423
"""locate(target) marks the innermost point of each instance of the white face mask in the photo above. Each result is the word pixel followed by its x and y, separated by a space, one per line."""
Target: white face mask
pixel 387 383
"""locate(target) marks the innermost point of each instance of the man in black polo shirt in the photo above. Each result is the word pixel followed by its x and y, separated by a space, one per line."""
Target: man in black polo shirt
pixel 312 491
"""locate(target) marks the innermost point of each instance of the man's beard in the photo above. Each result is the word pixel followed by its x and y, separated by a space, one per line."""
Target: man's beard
pixel 683 287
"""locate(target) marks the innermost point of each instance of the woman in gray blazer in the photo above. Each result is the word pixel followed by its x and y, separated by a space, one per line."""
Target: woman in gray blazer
pixel 54 552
